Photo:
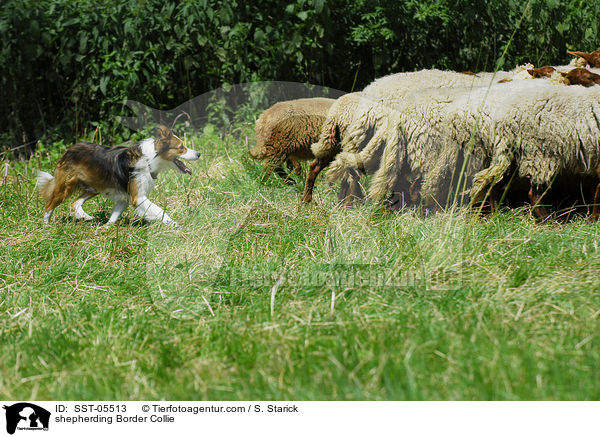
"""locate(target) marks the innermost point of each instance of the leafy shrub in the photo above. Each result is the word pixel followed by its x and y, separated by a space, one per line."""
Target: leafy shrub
pixel 66 64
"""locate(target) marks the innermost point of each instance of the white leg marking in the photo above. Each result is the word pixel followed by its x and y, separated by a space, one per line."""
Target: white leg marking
pixel 80 214
pixel 116 212
pixel 151 212
pixel 47 216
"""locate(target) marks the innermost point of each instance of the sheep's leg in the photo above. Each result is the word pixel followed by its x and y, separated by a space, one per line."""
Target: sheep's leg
pixel 315 168
pixel 350 190
pixel 280 171
pixel 596 209
pixel 267 170
pixel 493 200
pixel 355 191
pixel 415 190
pixel 344 187
pixel 271 167
pixel 293 163
pixel 535 197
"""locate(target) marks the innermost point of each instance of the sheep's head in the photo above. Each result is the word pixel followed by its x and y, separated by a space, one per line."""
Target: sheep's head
pixel 581 76
pixel 537 73
pixel 258 152
pixel 592 58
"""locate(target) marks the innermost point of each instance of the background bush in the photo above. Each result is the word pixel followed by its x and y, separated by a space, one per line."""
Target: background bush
pixel 67 65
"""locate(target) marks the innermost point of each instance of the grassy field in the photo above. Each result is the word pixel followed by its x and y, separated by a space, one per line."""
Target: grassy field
pixel 256 296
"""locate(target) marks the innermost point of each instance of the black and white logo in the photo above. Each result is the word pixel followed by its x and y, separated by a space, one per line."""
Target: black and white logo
pixel 26 417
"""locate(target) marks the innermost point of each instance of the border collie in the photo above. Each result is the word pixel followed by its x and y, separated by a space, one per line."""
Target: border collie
pixel 123 174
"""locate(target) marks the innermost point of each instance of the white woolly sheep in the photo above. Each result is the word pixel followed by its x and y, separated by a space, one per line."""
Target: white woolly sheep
pixel 286 130
pixel 470 135
pixel 397 105
pixel 546 132
pixel 420 140
pixel 425 138
pixel 357 110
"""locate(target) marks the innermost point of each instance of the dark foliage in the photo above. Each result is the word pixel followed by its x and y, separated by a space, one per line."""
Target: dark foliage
pixel 67 64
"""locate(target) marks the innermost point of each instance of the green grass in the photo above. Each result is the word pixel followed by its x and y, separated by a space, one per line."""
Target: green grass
pixel 368 305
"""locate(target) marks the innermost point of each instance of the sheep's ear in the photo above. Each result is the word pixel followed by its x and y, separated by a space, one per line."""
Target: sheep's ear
pixel 564 74
pixel 163 131
pixel 579 54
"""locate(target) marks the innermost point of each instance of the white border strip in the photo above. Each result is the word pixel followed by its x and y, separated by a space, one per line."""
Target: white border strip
pixel 285 419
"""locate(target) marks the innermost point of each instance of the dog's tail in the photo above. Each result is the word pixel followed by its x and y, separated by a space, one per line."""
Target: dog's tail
pixel 45 184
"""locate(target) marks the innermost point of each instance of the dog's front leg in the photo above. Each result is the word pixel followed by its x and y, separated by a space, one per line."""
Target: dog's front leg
pixel 151 212
pixel 116 212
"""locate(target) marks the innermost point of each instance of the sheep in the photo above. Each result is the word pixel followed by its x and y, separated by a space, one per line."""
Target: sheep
pixel 434 135
pixel 546 132
pixel 411 151
pixel 476 127
pixel 339 117
pixel 548 71
pixel 393 102
pixel 471 137
pixel 426 143
pixel 356 109
pixel 285 132
pixel 407 139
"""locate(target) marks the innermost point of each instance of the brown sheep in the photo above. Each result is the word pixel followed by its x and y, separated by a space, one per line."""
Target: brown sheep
pixel 285 131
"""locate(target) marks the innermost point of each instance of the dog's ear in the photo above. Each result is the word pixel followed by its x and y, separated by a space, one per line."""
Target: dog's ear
pixel 163 131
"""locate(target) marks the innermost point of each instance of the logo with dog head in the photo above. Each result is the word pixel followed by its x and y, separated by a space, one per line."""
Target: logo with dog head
pixel 26 416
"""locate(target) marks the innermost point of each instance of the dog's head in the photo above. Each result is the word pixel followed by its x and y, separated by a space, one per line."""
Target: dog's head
pixel 171 148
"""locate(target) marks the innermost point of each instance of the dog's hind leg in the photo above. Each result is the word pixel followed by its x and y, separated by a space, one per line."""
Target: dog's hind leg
pixel 65 184
pixel 80 214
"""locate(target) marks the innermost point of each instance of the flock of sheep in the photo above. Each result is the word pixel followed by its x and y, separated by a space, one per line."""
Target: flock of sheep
pixel 431 137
